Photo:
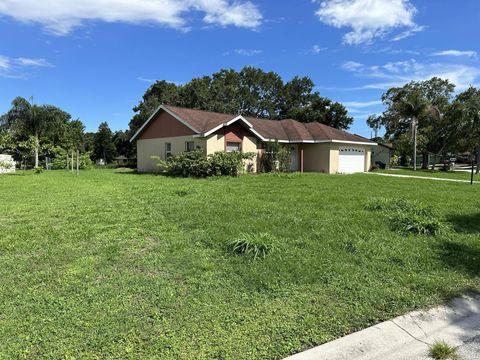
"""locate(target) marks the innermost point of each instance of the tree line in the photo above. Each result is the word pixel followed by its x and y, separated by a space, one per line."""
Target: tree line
pixel 32 132
pixel 442 121
pixel 427 117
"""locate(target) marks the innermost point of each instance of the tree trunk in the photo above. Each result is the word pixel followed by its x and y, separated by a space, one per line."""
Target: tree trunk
pixel 36 150
pixel 425 161
pixel 478 161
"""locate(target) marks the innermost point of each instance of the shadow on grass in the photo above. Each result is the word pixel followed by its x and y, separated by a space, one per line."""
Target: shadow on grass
pixel 461 257
pixel 469 224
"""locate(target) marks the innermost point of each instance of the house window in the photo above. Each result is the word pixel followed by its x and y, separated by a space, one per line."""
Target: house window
pixel 189 146
pixel 168 150
pixel 233 146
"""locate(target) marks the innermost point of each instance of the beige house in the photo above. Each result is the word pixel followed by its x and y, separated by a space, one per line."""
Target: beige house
pixel 314 147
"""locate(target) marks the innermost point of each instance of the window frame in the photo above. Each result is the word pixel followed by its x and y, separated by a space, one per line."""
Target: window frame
pixel 168 152
pixel 186 146
pixel 239 144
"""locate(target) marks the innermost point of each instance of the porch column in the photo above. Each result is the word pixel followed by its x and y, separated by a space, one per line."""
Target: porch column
pixel 301 158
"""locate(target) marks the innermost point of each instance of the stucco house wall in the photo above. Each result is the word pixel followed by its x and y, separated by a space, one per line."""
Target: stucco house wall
pixel 216 142
pixel 316 157
pixel 146 148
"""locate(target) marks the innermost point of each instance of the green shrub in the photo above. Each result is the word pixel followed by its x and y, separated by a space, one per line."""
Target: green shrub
pixel 197 164
pixel 276 157
pixel 440 350
pixel 38 170
pixel 256 245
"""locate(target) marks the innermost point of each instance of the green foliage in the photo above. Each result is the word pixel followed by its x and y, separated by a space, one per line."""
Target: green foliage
pixel 59 159
pixel 197 164
pixel 440 350
pixel 103 145
pixel 425 103
pixel 407 216
pixel 251 92
pixel 38 170
pixel 256 245
pixel 6 165
pixel 276 157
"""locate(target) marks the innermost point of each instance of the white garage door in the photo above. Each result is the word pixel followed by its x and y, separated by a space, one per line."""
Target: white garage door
pixel 351 159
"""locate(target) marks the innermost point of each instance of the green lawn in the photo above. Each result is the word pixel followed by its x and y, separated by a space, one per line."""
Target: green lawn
pixel 120 265
pixel 459 175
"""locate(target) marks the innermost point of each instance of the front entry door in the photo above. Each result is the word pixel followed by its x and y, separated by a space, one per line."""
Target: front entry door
pixel 294 158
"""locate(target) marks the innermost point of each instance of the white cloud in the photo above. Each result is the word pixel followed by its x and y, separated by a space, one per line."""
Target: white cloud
pixel 60 17
pixel 368 19
pixel 352 66
pixel 32 62
pixel 457 53
pixel 316 49
pixel 145 79
pixel 4 63
pixel 408 33
pixel 248 52
pixel 362 104
pixel 15 67
pixel 401 72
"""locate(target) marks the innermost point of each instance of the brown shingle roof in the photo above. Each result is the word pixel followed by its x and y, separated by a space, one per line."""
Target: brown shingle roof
pixel 288 129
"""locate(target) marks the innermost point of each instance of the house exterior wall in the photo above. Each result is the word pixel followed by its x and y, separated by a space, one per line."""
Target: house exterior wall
pixel 368 158
pixel 217 142
pixel 324 157
pixel 316 157
pixel 146 148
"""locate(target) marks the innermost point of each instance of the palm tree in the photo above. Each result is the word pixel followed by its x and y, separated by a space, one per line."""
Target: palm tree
pixel 30 120
pixel 412 105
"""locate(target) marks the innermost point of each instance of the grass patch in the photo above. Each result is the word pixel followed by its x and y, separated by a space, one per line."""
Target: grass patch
pixel 123 265
pixel 256 245
pixel 440 350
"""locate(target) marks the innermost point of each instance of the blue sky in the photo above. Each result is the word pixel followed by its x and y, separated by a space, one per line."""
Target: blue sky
pixel 95 58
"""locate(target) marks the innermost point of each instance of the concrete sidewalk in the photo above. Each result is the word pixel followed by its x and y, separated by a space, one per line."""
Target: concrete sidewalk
pixel 422 177
pixel 409 336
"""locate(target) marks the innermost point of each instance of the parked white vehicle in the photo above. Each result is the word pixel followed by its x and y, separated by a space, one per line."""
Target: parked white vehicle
pixel 7 164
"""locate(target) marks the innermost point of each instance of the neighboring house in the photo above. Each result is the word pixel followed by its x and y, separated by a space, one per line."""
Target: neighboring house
pixel 123 160
pixel 382 155
pixel 314 146
pixel 7 164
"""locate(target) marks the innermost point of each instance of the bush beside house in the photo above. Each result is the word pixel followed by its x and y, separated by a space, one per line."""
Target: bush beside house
pixel 198 164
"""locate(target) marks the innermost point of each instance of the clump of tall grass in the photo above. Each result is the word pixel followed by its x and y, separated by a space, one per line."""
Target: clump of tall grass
pixel 440 350
pixel 408 216
pixel 256 245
